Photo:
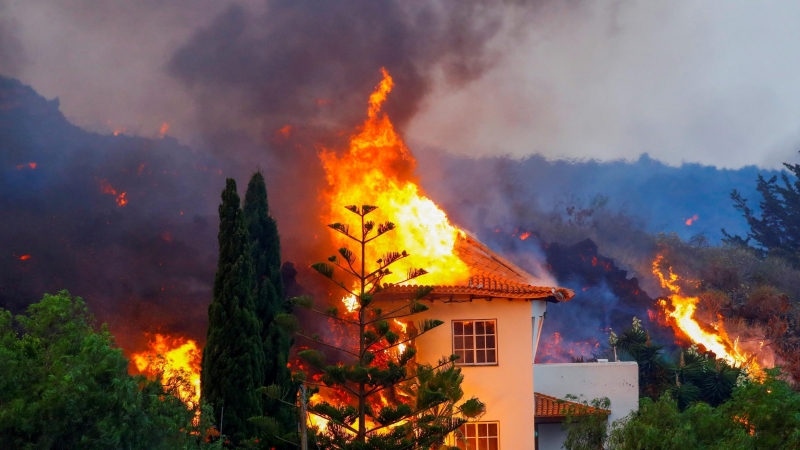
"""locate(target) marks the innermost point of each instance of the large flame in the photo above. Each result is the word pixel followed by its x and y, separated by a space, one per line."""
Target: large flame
pixel 680 309
pixel 181 357
pixel 377 170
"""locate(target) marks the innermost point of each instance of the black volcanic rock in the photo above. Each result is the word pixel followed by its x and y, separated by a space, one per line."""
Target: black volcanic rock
pixel 144 266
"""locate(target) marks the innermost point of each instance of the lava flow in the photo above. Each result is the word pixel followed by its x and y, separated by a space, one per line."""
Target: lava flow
pixel 680 309
pixel 170 358
pixel 106 188
pixel 377 170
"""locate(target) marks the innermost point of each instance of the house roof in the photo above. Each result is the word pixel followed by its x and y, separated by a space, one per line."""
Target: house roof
pixel 551 409
pixel 490 276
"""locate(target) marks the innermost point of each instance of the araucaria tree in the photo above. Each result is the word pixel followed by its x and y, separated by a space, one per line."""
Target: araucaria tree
pixel 384 400
pixel 233 357
pixel 269 301
pixel 777 231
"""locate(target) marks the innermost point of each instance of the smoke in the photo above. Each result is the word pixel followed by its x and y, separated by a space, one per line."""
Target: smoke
pixel 695 81
pixel 12 54
pixel 127 223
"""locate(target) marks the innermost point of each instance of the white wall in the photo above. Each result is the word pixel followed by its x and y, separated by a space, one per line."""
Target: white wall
pixel 505 388
pixel 619 381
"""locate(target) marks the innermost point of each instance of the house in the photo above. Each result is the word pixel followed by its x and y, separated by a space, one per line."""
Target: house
pixel 618 381
pixel 493 323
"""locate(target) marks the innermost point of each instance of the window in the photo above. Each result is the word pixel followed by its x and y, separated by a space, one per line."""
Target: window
pixel 478 436
pixel 475 341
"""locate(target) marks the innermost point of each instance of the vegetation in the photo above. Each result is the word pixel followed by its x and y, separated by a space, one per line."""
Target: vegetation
pixel 689 376
pixel 64 384
pixel 233 357
pixel 384 399
pixel 269 301
pixel 586 423
pixel 760 415
pixel 777 231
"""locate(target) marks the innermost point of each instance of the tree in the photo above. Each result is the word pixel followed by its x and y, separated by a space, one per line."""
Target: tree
pixel 690 377
pixel 64 384
pixel 269 301
pixel 759 415
pixel 233 357
pixel 385 401
pixel 586 423
pixel 777 231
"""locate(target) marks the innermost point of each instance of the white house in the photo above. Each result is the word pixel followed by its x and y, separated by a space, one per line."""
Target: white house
pixel 619 381
pixel 493 323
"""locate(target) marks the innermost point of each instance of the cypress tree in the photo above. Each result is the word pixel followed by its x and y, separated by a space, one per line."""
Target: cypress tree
pixel 233 357
pixel 266 255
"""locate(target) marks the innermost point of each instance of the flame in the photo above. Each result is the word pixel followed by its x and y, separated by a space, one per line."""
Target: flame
pixel 181 357
pixel 404 328
pixel 163 130
pixel 24 257
pixel 525 235
pixel 377 170
pixel 681 310
pixel 106 188
pixel 30 165
pixel 691 220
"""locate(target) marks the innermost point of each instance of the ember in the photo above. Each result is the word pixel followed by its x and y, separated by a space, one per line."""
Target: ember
pixel 106 188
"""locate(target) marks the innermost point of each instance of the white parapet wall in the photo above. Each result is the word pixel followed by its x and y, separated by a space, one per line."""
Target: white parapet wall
pixel 619 381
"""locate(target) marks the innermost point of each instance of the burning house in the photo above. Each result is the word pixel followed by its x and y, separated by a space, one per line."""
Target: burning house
pixel 493 323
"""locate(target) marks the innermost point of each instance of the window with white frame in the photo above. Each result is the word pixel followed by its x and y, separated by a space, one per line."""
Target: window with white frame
pixel 475 342
pixel 478 436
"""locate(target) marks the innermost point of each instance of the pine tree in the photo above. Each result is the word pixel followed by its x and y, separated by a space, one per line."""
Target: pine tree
pixel 391 402
pixel 777 231
pixel 269 301
pixel 233 357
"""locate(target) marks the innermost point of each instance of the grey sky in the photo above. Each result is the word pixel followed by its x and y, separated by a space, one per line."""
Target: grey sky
pixel 698 81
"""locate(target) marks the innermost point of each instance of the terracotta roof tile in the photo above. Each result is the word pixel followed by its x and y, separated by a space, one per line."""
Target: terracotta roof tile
pixel 547 406
pixel 491 276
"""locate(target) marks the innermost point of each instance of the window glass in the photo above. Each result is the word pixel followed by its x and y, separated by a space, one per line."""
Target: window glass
pixel 478 436
pixel 475 342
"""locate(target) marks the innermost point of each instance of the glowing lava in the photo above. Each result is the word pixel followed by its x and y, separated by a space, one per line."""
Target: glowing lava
pixel 377 170
pixel 181 358
pixel 681 310
pixel 106 188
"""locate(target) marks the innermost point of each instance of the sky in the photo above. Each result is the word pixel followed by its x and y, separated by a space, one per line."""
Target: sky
pixel 713 82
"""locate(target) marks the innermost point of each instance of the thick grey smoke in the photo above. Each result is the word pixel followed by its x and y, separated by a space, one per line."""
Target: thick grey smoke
pixel 707 81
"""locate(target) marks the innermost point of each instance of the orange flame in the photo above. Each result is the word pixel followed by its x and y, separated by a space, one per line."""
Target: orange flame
pixel 30 165
pixel 24 257
pixel 681 310
pixel 106 188
pixel 163 130
pixel 691 220
pixel 182 357
pixel 525 235
pixel 377 170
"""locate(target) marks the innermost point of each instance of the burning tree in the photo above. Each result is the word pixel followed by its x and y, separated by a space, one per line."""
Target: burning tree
pixel 383 398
